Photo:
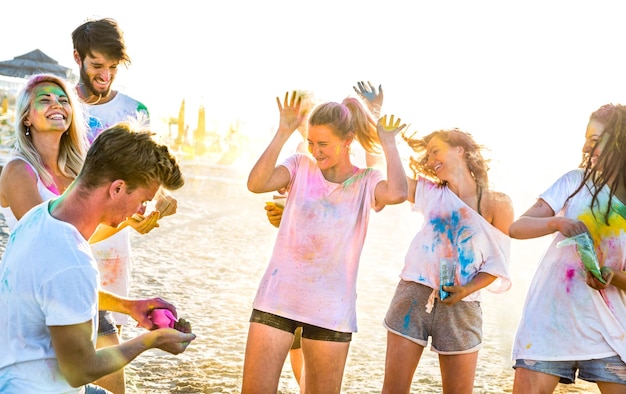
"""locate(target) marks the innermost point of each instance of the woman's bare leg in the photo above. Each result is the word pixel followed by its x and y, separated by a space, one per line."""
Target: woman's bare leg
pixel 401 361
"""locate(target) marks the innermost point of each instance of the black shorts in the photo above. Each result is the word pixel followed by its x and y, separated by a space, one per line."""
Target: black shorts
pixel 308 331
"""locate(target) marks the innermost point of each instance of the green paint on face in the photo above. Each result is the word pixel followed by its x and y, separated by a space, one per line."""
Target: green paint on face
pixel 47 93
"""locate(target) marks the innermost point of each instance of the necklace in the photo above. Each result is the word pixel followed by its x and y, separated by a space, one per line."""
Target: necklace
pixel 81 87
pixel 95 102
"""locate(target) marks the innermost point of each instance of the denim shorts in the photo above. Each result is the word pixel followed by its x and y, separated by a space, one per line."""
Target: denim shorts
pixel 106 323
pixel 609 369
pixel 93 389
pixel 308 331
pixel 453 329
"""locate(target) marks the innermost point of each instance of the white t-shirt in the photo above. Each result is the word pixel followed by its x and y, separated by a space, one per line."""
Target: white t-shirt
pixel 114 254
pixel 48 277
pixel 453 230
pixel 120 108
pixel 564 318
pixel 311 276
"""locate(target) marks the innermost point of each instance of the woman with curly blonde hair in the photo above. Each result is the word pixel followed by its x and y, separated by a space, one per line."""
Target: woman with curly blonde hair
pixel 464 231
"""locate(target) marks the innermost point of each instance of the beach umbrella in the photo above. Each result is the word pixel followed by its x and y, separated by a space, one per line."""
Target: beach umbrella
pixel 180 137
pixel 34 62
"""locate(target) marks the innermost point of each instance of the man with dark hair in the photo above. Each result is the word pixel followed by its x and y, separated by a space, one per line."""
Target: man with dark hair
pixel 49 281
pixel 99 49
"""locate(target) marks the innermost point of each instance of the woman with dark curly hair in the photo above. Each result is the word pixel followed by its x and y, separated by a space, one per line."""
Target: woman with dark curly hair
pixel 574 319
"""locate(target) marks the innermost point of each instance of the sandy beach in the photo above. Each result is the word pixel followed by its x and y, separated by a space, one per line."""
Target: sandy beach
pixel 209 257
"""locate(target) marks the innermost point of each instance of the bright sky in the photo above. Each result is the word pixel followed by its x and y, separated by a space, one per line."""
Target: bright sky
pixel 521 76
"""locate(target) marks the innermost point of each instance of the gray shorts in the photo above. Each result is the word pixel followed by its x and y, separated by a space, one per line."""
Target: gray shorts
pixel 609 369
pixel 455 329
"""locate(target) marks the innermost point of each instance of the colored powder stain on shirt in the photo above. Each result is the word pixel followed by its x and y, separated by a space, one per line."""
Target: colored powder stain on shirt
pixel 355 178
pixel 110 270
pixel 5 287
pixel 594 220
pixel 454 237
pixel 569 275
pixel 619 209
pixel 275 272
pixel 466 259
pixel 142 108
pixel 443 236
pixel 605 237
pixel 607 301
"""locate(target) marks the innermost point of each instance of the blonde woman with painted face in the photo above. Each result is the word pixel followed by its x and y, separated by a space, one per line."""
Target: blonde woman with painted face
pixel 574 323
pixel 310 281
pixel 465 227
pixel 51 143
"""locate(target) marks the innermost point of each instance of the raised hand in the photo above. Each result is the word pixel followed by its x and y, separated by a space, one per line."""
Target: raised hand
pixel 290 114
pixel 388 128
pixel 368 93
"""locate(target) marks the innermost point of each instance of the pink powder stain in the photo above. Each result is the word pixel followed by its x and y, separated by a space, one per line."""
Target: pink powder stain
pixel 607 301
pixel 110 270
pixel 569 274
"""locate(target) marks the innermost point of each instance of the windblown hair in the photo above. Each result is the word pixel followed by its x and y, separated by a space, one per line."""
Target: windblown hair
pixel 601 115
pixel 610 167
pixel 74 144
pixel 101 35
pixel 128 151
pixel 476 163
pixel 349 116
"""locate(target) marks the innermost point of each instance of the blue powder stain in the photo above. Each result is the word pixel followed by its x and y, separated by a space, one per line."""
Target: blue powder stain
pixel 456 234
pixel 407 318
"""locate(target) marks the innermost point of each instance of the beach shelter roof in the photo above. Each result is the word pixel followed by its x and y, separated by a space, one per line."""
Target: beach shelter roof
pixel 34 62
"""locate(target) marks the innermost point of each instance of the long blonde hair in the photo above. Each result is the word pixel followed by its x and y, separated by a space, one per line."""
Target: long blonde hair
pixel 74 143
